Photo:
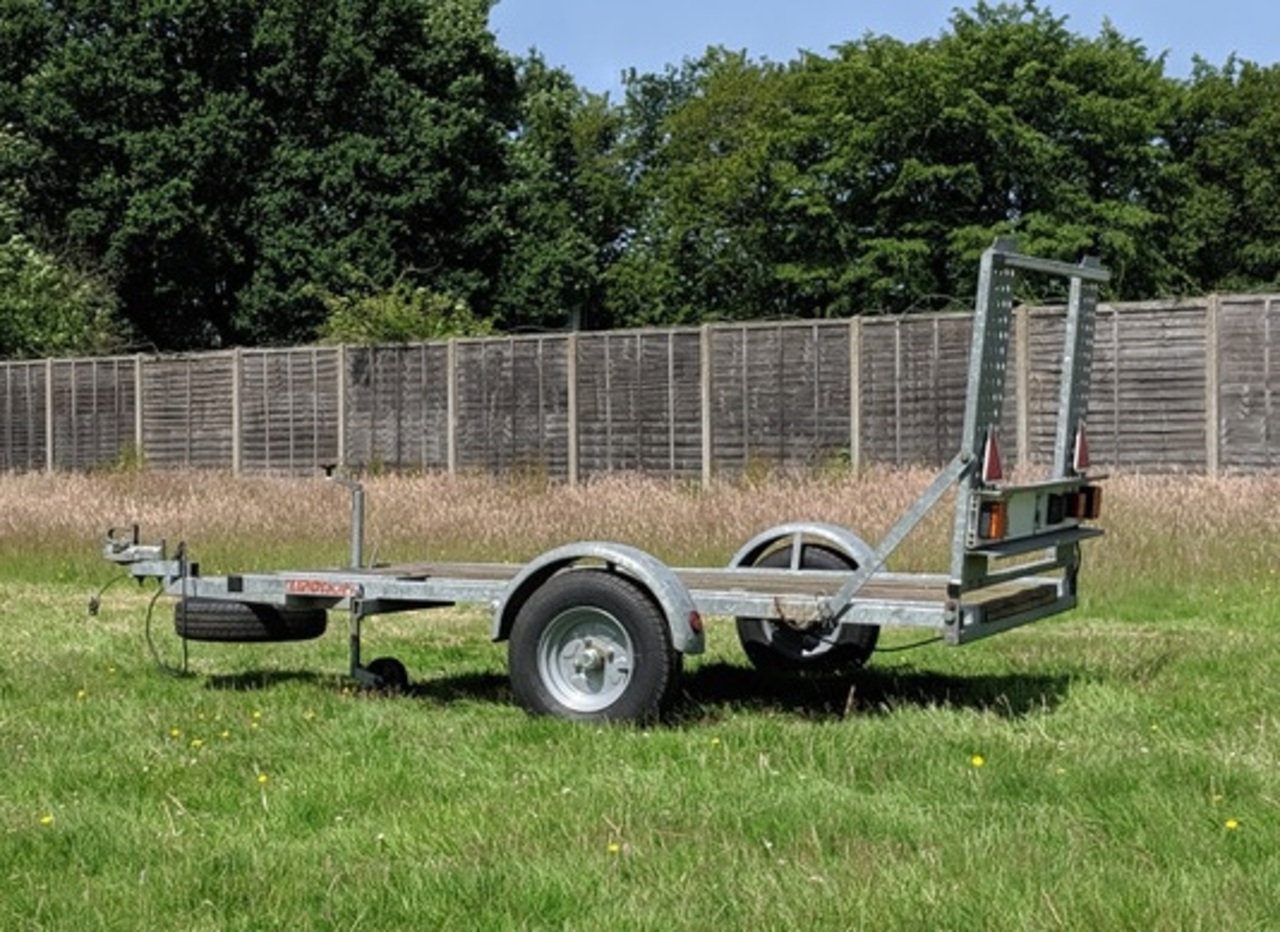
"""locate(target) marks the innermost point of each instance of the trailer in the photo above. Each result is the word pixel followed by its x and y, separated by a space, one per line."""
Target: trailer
pixel 596 630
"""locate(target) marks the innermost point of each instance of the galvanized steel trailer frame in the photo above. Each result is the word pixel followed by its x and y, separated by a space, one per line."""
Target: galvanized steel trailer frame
pixel 577 652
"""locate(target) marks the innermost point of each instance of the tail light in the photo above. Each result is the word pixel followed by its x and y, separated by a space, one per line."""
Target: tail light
pixel 1086 503
pixel 993 520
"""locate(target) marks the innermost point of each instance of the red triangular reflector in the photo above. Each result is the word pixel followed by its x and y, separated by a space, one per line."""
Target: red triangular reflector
pixel 992 469
pixel 1080 461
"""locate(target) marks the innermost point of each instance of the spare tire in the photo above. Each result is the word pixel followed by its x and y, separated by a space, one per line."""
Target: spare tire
pixel 243 622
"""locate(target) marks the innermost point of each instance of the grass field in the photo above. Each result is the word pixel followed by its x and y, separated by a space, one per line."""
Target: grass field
pixel 1116 768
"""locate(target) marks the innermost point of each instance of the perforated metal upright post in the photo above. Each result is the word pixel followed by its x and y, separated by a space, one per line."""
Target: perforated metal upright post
pixel 1077 368
pixel 989 350
pixel 984 398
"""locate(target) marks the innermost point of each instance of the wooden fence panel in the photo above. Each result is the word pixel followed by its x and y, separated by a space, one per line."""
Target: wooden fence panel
pixel 747 396
pixel 779 395
pixel 486 396
pixel 288 409
pixel 826 411
pixel 638 402
pixel 1043 379
pixel 188 416
pixel 1147 392
pixel 669 418
pixel 1160 388
pixel 24 440
pixel 1250 378
pixel 914 374
pixel 94 411
pixel 610 377
pixel 395 407
pixel 511 403
pixel 540 425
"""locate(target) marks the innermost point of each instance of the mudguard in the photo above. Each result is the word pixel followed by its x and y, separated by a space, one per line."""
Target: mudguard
pixel 832 536
pixel 661 582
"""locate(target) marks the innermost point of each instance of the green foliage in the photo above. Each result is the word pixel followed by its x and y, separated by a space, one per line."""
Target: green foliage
pixel 566 204
pixel 403 313
pixel 228 161
pixel 389 123
pixel 873 179
pixel 706 179
pixel 227 164
pixel 48 307
pixel 1224 196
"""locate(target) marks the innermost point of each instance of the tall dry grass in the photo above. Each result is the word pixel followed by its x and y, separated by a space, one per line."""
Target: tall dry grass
pixel 453 517
pixel 1172 528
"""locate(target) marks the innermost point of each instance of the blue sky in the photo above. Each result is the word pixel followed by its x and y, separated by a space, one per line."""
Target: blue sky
pixel 595 40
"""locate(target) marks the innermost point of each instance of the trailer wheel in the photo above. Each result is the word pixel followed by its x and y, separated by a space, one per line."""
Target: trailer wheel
pixel 391 673
pixel 779 649
pixel 590 645
pixel 243 622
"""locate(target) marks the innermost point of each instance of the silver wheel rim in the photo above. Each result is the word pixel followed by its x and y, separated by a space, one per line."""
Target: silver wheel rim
pixel 796 644
pixel 585 659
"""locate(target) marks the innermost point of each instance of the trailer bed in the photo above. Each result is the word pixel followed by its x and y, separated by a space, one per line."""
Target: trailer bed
pixel 795 596
pixel 703 582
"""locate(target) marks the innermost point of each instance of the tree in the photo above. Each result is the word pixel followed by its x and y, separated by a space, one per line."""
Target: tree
pixel 1224 193
pixel 1008 123
pixel 566 202
pixel 700 147
pixel 48 306
pixel 390 122
pixel 227 160
pixel 872 179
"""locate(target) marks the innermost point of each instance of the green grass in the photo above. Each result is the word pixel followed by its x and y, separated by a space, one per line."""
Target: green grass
pixel 1129 774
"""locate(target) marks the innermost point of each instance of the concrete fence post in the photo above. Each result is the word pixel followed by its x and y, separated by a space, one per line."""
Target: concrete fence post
pixel 1212 387
pixel 49 423
pixel 704 401
pixel 237 411
pixel 855 393
pixel 451 405
pixel 571 402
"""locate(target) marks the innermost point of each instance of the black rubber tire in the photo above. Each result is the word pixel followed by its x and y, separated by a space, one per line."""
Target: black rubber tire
pixel 590 645
pixel 242 622
pixel 777 649
pixel 393 676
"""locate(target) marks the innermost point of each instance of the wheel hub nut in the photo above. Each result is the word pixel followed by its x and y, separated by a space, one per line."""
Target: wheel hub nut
pixel 588 659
